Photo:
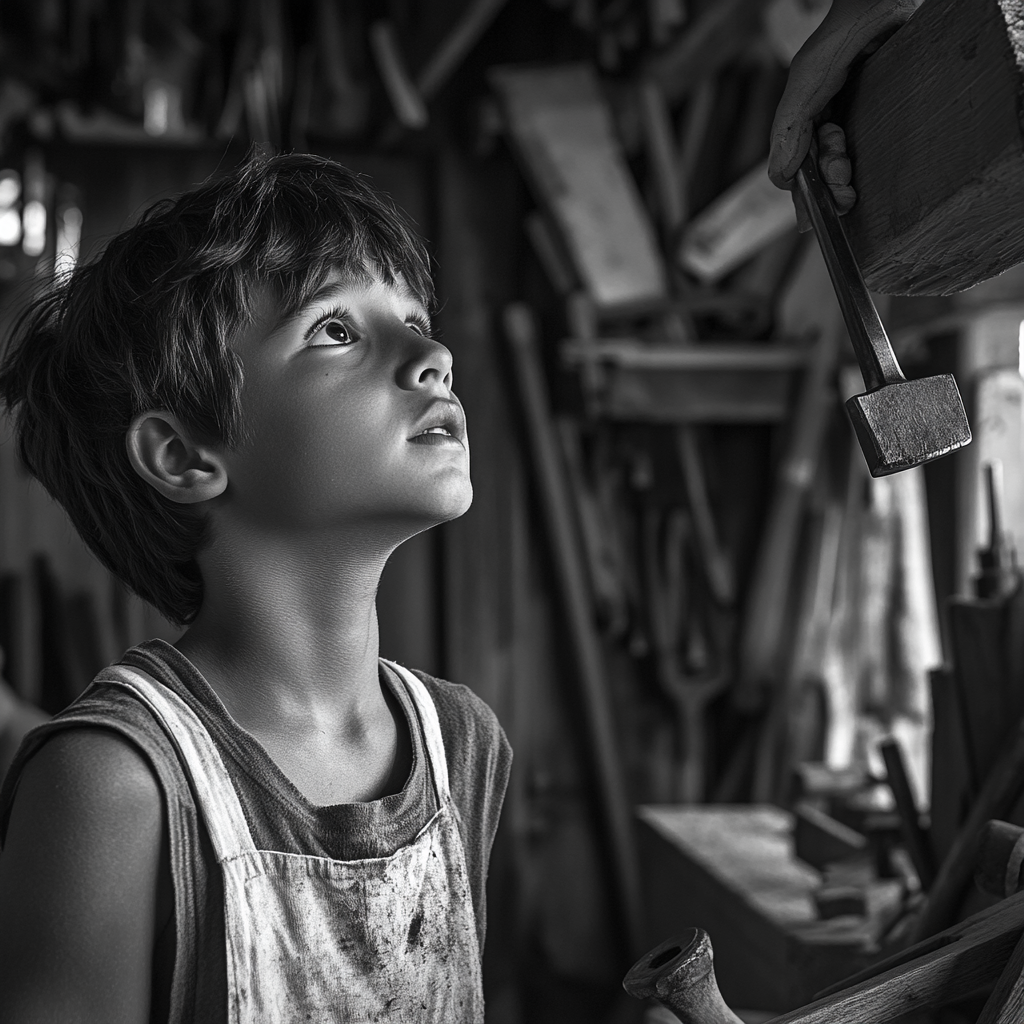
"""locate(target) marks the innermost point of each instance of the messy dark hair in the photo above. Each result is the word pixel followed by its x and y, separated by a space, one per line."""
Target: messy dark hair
pixel 146 324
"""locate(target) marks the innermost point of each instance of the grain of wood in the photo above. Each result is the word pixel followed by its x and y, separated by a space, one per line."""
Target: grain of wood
pixel 934 129
pixel 1006 1004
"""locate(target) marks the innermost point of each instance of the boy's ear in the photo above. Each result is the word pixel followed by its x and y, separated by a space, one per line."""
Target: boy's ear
pixel 161 452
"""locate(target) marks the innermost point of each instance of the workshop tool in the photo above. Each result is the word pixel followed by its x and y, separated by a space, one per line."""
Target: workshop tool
pixel 689 692
pixel 899 423
pixel 960 962
pixel 566 554
pixel 910 819
pixel 995 799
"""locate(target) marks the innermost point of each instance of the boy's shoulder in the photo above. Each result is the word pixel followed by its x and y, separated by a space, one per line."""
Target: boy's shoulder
pixel 475 743
pixel 463 715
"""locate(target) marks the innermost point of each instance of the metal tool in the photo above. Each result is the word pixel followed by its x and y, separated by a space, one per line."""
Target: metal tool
pixel 899 423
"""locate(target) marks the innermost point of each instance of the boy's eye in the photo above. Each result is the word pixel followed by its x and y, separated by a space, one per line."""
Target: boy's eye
pixel 421 325
pixel 331 331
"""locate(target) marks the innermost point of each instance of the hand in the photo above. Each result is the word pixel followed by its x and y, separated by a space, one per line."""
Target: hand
pixel 836 172
pixel 816 74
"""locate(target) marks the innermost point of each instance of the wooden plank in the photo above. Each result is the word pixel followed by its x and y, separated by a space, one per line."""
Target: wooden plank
pixel 959 963
pixel 564 132
pixel 735 226
pixel 1006 1004
pixel 630 381
pixel 627 353
pixel 934 131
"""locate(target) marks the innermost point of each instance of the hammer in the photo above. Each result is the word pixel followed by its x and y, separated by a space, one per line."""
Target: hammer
pixel 899 423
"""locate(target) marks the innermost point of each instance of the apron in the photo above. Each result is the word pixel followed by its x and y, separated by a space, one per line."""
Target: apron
pixel 319 941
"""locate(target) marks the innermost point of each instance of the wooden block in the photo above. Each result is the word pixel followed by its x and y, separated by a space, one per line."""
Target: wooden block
pixel 819 839
pixel 563 130
pixel 934 130
pixel 731 871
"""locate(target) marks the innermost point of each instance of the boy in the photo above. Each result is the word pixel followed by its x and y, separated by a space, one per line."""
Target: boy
pixel 243 411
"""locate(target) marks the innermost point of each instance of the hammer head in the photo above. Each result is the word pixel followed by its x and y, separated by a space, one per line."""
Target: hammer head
pixel 909 422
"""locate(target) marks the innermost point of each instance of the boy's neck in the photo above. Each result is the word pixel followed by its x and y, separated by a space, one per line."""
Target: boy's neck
pixel 287 638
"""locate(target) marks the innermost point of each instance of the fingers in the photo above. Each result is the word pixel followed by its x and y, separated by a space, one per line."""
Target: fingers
pixel 790 143
pixel 819 70
pixel 834 163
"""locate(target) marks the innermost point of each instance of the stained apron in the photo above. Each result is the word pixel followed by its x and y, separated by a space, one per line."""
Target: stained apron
pixel 312 940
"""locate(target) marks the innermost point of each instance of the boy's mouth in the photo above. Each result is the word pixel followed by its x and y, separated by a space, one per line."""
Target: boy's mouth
pixel 443 424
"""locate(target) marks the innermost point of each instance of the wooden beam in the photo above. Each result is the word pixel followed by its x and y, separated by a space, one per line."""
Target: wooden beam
pixel 934 128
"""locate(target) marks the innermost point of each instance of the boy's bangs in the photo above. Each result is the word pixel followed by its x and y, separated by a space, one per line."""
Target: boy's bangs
pixel 327 219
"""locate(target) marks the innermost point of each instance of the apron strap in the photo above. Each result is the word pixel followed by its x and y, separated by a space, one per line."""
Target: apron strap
pixel 431 728
pixel 216 796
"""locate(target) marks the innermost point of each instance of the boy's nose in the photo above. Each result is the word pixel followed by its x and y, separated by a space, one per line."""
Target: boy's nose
pixel 427 361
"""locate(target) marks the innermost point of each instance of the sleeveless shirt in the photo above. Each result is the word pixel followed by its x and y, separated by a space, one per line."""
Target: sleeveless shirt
pixel 190 979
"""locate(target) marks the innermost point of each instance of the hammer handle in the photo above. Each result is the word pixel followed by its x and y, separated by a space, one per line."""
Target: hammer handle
pixel 870 343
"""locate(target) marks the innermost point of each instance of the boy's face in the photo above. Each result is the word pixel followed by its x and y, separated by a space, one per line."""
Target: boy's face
pixel 349 419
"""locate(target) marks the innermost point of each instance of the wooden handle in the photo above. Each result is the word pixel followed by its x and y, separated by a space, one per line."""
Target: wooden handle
pixel 997 869
pixel 680 974
pixel 870 342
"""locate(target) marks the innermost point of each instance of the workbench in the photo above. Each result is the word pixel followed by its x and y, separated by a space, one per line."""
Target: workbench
pixel 731 870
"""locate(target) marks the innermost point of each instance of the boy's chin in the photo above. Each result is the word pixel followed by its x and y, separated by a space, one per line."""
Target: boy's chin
pixel 440 508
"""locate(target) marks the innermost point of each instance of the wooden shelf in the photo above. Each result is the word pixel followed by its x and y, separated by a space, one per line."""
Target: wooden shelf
pixel 723 382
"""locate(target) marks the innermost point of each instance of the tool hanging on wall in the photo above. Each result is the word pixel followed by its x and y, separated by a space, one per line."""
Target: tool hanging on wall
pixel 899 423
pixel 520 329
pixel 671 618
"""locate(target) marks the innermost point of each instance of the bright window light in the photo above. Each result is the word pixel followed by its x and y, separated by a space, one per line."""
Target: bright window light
pixel 10 188
pixel 156 109
pixel 10 227
pixel 34 225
